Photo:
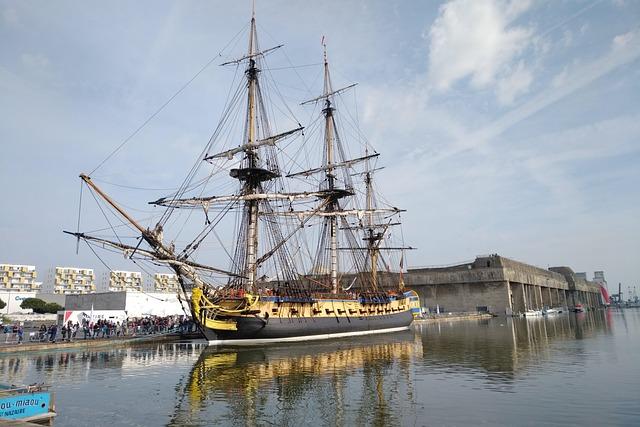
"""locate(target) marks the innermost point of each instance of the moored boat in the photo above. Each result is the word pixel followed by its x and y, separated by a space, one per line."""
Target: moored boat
pixel 552 311
pixel 532 313
pixel 32 404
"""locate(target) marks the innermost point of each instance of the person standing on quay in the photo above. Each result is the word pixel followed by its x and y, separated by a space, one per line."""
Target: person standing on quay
pixel 53 331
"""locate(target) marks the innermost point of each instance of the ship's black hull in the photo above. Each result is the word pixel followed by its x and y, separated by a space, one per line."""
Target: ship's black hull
pixel 256 330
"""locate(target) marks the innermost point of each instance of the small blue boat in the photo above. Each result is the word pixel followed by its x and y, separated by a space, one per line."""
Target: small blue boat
pixel 34 404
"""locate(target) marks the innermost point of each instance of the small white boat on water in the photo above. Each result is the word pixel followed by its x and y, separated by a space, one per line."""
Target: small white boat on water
pixel 532 313
pixel 551 311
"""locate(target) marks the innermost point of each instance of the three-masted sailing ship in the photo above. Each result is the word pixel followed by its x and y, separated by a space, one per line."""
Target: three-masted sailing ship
pixel 307 264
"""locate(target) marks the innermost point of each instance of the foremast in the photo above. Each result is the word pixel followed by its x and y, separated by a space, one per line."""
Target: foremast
pixel 332 206
pixel 251 172
pixel 251 185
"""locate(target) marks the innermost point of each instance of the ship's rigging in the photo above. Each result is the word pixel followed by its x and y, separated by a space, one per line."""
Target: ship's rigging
pixel 297 231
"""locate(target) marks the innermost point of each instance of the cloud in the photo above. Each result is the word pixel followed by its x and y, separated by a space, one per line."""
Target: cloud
pixel 625 49
pixel 572 150
pixel 622 40
pixel 515 84
pixel 475 39
pixel 560 79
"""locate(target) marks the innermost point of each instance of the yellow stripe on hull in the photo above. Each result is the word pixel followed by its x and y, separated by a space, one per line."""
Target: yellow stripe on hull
pixel 221 325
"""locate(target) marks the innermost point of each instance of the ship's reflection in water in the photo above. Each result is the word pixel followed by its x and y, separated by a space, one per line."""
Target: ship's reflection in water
pixel 378 380
pixel 577 369
pixel 366 380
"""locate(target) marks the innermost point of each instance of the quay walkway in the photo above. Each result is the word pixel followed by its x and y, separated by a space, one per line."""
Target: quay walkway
pixel 12 346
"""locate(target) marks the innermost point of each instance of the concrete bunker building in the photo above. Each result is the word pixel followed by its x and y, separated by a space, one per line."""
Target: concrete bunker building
pixel 500 285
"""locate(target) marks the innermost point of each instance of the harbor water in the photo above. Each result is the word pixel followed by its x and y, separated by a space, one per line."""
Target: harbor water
pixel 569 369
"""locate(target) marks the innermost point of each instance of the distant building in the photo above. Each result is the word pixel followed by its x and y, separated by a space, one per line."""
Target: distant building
pixel 598 277
pixel 165 282
pixel 133 304
pixel 581 275
pixel 121 281
pixel 73 280
pixel 18 278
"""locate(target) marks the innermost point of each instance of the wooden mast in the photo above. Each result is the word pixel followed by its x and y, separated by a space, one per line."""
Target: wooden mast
pixel 250 187
pixel 372 240
pixel 328 142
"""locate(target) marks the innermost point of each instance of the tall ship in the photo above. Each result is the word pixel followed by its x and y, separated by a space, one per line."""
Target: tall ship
pixel 308 238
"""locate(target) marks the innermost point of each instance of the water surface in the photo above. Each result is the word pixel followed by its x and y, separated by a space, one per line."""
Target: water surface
pixel 565 370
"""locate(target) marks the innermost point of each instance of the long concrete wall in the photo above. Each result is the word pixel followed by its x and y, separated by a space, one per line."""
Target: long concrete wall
pixel 502 285
pixel 465 297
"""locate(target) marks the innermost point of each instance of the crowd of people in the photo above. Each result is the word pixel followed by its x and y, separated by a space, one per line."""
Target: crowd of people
pixel 102 328
pixel 16 330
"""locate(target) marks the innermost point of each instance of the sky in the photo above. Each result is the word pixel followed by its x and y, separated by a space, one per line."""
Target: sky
pixel 509 127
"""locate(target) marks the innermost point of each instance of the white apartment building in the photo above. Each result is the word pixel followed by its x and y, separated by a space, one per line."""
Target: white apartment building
pixel 18 278
pixel 74 280
pixel 165 282
pixel 120 281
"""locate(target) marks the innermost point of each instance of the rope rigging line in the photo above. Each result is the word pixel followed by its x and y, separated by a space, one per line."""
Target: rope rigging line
pixel 150 275
pixel 132 187
pixel 106 217
pixel 97 256
pixel 183 187
pixel 191 247
pixel 291 67
pixel 124 224
pixel 135 132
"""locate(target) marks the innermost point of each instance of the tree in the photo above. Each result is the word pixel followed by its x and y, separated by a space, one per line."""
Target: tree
pixel 53 307
pixel 36 304
pixel 41 307
pixel 2 304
